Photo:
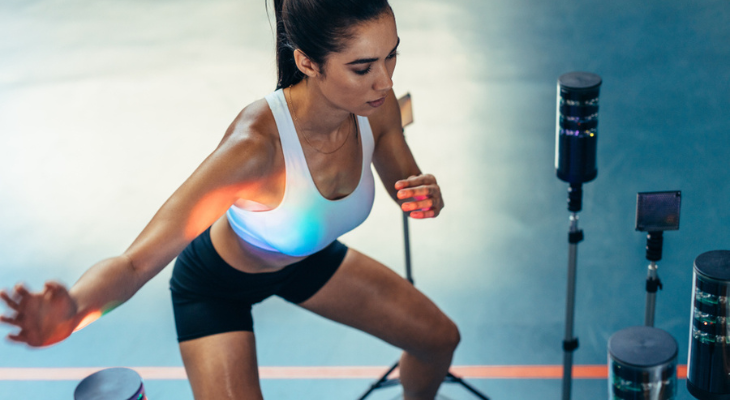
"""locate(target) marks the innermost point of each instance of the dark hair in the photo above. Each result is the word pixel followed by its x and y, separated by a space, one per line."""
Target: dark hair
pixel 317 28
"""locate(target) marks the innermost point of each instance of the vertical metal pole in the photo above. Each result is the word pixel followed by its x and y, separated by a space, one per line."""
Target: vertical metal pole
pixel 650 296
pixel 407 244
pixel 570 343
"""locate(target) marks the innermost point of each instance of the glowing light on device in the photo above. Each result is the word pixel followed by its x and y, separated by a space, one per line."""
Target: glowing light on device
pixel 577 127
pixel 575 163
pixel 642 364
pixel 708 369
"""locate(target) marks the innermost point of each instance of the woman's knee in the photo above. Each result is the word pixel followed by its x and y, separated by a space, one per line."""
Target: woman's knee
pixel 440 340
pixel 450 336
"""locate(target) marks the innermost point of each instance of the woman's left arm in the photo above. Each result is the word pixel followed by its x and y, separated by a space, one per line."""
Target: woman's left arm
pixel 417 193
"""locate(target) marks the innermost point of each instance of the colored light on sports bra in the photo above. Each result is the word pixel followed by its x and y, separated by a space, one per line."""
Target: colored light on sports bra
pixel 305 221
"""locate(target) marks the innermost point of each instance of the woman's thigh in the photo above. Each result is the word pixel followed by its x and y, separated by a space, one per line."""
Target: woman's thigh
pixel 222 366
pixel 369 296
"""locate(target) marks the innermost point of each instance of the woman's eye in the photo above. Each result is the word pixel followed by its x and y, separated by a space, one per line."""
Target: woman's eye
pixel 366 70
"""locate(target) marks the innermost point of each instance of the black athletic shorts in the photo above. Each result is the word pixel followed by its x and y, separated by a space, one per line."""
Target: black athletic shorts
pixel 209 296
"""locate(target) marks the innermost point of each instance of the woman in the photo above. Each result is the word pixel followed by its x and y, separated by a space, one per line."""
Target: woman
pixel 262 213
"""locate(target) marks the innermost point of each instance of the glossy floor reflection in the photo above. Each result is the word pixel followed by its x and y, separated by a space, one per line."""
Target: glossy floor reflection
pixel 106 107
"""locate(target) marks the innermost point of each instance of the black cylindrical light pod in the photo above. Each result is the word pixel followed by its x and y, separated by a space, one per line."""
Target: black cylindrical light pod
pixel 577 127
pixel 642 364
pixel 708 367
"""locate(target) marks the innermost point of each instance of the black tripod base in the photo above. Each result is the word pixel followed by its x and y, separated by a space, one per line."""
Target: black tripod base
pixel 451 378
pixel 384 382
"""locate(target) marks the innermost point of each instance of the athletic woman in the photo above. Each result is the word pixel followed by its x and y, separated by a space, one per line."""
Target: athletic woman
pixel 261 216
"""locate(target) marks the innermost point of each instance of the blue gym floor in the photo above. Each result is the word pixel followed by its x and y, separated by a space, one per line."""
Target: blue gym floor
pixel 107 106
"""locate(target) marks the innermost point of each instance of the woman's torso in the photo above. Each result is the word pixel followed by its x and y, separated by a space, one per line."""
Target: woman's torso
pixel 307 191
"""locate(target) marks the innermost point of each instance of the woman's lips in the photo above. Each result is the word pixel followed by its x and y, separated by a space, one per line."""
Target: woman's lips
pixel 377 103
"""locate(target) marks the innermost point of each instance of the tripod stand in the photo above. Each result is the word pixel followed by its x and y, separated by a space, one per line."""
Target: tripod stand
pixel 656 212
pixel 385 380
pixel 575 236
pixel 575 163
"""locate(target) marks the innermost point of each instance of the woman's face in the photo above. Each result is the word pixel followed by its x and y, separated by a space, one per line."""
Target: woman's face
pixel 359 77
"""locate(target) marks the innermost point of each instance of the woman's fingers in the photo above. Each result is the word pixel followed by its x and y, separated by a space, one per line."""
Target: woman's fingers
pixel 9 301
pixel 424 196
pixel 422 209
pixel 426 201
pixel 55 286
pixel 419 191
pixel 417 186
pixel 21 291
pixel 422 205
pixel 404 183
pixel 15 306
pixel 41 316
pixel 16 319
pixel 9 320
pixel 413 181
pixel 20 337
pixel 423 214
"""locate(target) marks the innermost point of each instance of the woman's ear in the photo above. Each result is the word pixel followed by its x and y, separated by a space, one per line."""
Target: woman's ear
pixel 305 64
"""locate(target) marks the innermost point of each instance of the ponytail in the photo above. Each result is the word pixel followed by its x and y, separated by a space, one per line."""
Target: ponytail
pixel 317 28
pixel 287 72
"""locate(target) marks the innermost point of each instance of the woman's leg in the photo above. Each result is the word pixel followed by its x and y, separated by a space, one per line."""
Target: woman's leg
pixel 222 366
pixel 368 296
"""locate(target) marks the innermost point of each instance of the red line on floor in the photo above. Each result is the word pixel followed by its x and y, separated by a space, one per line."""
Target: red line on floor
pixel 464 371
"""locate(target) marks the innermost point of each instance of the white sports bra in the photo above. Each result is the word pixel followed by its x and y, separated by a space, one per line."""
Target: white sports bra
pixel 304 222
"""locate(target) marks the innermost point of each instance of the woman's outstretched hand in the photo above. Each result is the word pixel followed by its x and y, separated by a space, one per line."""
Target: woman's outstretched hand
pixel 421 196
pixel 44 318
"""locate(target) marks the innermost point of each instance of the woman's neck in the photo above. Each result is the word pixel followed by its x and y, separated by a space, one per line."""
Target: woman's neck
pixel 314 113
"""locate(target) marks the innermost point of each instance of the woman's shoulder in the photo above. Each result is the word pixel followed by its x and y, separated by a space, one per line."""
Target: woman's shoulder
pixel 252 136
pixel 254 123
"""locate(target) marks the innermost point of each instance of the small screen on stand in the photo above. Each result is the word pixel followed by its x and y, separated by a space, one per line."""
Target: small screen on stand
pixel 658 211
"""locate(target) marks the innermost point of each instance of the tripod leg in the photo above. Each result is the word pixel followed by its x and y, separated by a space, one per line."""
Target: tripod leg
pixel 383 381
pixel 455 379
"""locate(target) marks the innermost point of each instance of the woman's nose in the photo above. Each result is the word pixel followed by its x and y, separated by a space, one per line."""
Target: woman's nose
pixel 384 80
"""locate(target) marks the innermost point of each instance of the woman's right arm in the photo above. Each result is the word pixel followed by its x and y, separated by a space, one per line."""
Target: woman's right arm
pixel 236 168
